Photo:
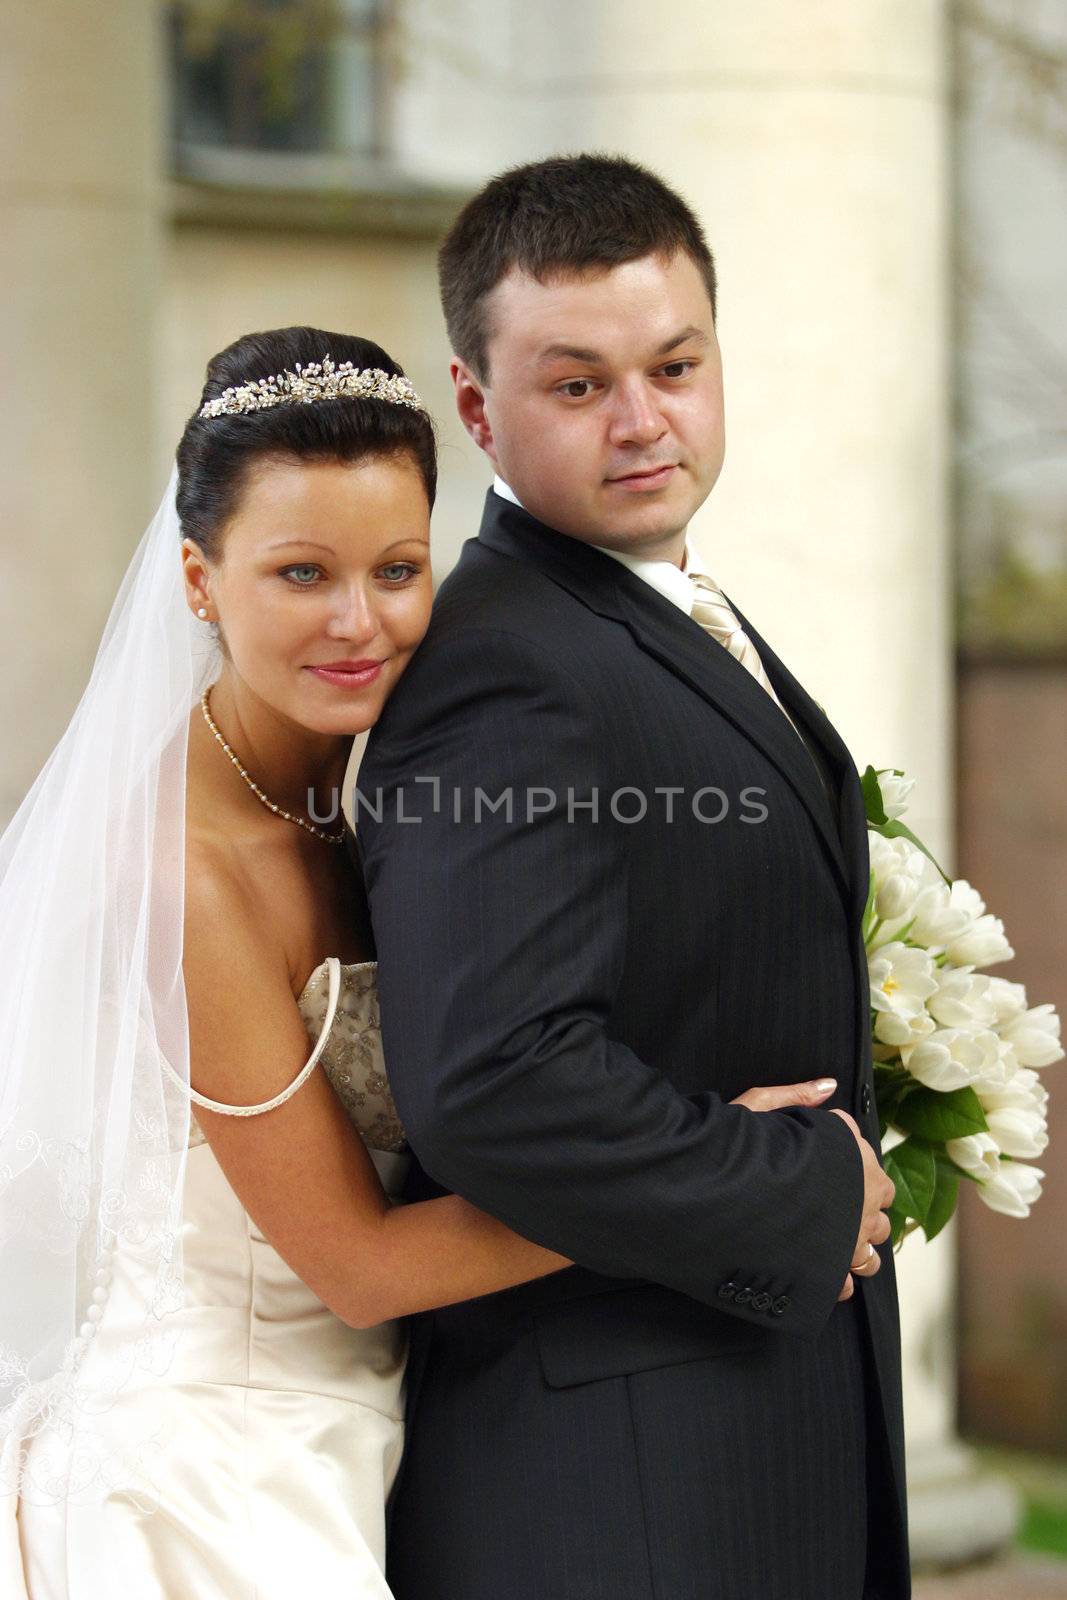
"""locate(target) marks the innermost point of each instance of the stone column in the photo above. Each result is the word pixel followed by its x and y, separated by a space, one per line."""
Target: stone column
pixel 80 125
pixel 813 141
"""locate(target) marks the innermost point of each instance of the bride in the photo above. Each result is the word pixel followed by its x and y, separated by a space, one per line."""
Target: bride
pixel 205 1272
pixel 202 1345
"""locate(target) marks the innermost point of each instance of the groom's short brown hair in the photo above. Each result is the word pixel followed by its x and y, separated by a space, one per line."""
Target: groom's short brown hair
pixel 566 214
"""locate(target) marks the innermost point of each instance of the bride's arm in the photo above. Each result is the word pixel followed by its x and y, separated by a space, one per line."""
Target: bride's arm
pixel 301 1171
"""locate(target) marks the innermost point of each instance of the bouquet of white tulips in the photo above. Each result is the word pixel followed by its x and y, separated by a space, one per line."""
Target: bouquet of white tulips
pixel 956 1053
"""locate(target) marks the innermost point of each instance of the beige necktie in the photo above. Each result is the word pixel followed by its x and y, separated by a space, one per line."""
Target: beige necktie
pixel 712 611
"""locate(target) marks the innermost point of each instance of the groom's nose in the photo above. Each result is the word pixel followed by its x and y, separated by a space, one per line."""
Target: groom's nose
pixel 636 414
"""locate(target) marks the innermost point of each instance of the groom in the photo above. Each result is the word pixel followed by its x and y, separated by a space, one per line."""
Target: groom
pixel 618 879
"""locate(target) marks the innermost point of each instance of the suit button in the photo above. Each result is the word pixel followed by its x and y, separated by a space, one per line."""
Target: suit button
pixel 865 1099
pixel 761 1301
pixel 780 1306
pixel 742 1297
pixel 727 1291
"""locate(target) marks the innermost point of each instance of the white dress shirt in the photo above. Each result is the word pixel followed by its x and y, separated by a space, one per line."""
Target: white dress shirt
pixel 669 580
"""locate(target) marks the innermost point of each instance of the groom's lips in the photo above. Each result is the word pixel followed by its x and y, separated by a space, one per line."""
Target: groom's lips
pixel 349 674
pixel 643 482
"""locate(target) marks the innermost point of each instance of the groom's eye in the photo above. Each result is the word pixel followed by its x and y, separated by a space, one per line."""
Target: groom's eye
pixel 576 388
pixel 677 369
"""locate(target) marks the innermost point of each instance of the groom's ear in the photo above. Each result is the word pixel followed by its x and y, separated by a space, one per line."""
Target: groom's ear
pixel 470 403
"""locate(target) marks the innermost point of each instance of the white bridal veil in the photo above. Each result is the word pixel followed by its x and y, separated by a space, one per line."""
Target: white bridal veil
pixel 93 1133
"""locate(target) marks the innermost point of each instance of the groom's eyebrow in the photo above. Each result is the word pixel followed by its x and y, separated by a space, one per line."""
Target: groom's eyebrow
pixel 572 352
pixel 687 336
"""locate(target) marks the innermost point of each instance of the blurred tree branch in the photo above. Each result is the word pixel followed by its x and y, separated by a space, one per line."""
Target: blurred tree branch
pixel 274 39
pixel 1029 74
pixel 1012 348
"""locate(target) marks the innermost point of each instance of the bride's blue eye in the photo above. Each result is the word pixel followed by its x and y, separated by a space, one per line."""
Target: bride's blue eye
pixel 301 577
pixel 398 571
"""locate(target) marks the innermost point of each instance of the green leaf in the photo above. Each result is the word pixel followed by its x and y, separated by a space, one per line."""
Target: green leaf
pixel 961 1172
pixel 868 918
pixel 898 1221
pixel 872 797
pixel 946 1193
pixel 912 1167
pixel 939 1116
pixel 890 1084
pixel 878 822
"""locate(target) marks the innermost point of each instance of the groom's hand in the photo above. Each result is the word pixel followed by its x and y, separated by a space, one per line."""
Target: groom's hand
pixel 878 1193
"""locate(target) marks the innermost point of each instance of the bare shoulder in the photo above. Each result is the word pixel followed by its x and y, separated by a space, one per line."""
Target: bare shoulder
pixel 237 979
pixel 223 910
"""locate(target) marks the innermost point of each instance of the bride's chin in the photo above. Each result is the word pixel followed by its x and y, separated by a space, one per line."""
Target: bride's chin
pixel 344 723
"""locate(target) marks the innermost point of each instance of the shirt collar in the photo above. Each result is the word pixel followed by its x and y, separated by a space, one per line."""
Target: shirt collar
pixel 506 492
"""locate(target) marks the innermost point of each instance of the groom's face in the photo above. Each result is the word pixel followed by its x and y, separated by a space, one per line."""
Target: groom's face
pixel 603 407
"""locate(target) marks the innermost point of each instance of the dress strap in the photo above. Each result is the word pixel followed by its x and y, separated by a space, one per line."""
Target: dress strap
pixel 302 1076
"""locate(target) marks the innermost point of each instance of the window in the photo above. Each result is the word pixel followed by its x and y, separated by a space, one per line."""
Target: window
pixel 274 91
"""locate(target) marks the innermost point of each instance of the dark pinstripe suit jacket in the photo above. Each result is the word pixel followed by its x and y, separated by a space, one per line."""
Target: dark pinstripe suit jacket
pixel 569 1002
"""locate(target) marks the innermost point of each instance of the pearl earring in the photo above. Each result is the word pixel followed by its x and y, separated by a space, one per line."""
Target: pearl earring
pixel 202 613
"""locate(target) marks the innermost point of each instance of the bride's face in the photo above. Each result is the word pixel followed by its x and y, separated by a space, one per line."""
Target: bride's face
pixel 322 589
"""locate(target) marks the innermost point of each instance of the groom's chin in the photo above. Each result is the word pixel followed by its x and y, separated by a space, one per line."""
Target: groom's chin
pixel 653 516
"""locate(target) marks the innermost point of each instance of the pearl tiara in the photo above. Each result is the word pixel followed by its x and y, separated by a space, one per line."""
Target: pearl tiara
pixel 320 380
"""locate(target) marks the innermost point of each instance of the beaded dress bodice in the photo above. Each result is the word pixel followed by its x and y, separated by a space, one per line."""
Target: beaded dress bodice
pixel 351 1056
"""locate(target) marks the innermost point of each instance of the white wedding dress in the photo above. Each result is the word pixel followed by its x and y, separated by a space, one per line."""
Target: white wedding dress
pixel 275 1430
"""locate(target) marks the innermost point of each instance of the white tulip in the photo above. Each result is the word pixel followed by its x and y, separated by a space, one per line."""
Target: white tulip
pixel 937 921
pixel 981 945
pixel 1035 1036
pixel 1008 998
pixel 898 875
pixel 895 897
pixel 902 980
pixel 962 1000
pixel 951 1058
pixel 894 792
pixel 999 1067
pixel 901 1033
pixel 1020 1132
pixel 965 897
pixel 977 1154
pixel 1014 1189
pixel 1022 1088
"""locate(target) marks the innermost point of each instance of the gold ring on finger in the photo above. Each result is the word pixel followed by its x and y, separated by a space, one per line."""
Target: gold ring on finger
pixel 869 1259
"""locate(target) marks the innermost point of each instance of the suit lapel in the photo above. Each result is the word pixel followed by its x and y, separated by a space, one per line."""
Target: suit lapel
pixel 683 648
pixel 816 725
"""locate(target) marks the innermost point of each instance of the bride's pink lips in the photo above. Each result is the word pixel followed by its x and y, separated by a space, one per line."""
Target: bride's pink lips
pixel 642 482
pixel 349 674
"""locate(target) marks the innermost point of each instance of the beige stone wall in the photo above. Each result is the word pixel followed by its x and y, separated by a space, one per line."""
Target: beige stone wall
pixel 79 132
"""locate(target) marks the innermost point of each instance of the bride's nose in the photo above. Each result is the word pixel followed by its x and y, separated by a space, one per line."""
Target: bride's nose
pixel 352 614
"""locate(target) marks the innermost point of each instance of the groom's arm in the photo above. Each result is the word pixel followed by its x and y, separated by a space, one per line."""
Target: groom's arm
pixel 501 946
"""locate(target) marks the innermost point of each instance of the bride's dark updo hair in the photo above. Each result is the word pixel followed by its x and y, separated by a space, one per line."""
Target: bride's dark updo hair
pixel 215 453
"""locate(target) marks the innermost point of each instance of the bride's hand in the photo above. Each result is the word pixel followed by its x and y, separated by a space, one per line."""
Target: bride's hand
pixel 780 1095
